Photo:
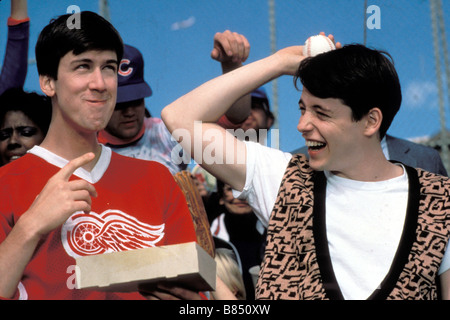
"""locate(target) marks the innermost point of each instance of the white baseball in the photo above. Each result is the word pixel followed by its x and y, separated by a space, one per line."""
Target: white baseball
pixel 316 45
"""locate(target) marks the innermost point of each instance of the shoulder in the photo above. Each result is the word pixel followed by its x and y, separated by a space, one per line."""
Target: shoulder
pixel 434 183
pixel 299 158
pixel 155 127
pixel 415 148
pixel 21 166
pixel 434 197
pixel 415 155
pixel 266 154
pixel 426 175
pixel 151 122
pixel 126 172
pixel 133 170
pixel 137 165
pixel 264 164
pixel 24 178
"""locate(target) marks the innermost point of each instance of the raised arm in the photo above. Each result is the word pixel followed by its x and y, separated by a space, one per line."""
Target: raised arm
pixel 191 118
pixel 232 49
pixel 19 9
pixel 15 62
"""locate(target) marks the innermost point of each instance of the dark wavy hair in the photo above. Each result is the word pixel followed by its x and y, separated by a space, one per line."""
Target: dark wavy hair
pixel 360 77
pixel 57 39
pixel 36 107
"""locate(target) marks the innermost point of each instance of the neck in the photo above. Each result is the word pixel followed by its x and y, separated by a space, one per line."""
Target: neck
pixel 370 165
pixel 71 144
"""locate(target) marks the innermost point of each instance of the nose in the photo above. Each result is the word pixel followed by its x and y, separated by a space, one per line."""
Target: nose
pixel 14 141
pixel 128 111
pixel 14 138
pixel 97 81
pixel 304 123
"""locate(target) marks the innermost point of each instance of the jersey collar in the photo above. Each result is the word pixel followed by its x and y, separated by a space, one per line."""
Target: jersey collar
pixel 92 177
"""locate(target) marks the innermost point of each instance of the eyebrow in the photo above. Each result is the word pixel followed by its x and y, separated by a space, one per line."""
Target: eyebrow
pixel 316 106
pixel 112 61
pixel 87 60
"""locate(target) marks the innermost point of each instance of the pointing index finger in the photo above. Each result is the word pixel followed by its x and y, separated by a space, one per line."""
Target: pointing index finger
pixel 67 171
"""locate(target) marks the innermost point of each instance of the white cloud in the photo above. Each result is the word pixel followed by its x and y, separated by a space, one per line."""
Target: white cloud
pixel 420 93
pixel 183 24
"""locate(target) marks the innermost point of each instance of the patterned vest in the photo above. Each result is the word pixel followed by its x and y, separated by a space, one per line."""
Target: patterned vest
pixel 297 262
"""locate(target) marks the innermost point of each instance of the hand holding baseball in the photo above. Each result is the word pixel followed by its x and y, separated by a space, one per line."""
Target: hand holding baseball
pixel 318 44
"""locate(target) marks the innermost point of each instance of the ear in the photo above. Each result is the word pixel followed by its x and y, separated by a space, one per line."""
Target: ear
pixel 47 84
pixel 269 122
pixel 373 121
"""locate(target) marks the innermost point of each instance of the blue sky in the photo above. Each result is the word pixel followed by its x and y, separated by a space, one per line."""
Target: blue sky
pixel 176 61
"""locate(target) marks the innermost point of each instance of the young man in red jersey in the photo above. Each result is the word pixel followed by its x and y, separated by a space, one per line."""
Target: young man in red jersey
pixel 49 217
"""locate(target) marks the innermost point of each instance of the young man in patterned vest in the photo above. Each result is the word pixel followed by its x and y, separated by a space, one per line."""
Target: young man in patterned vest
pixel 347 223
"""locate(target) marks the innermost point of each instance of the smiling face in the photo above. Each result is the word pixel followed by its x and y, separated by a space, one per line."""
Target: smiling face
pixel 332 136
pixel 18 134
pixel 84 93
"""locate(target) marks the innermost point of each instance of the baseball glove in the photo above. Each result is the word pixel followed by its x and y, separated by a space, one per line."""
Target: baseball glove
pixel 197 209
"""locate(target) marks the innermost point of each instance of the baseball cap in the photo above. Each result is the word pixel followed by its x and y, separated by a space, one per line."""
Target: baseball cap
pixel 260 100
pixel 131 83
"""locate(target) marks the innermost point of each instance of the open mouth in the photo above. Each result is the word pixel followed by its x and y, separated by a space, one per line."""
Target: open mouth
pixel 315 145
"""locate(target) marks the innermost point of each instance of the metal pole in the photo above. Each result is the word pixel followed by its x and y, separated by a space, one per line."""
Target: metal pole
pixel 443 135
pixel 443 40
pixel 364 23
pixel 272 24
pixel 103 9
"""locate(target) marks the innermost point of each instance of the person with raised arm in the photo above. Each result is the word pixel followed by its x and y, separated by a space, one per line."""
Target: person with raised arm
pixel 345 223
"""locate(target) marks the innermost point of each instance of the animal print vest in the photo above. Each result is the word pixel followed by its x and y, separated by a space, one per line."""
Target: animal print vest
pixel 297 262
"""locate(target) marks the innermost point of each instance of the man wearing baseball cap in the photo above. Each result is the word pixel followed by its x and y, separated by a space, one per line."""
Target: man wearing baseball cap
pixel 261 117
pixel 132 131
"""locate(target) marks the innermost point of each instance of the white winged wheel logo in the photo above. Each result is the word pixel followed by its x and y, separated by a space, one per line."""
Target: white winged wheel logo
pixel 113 230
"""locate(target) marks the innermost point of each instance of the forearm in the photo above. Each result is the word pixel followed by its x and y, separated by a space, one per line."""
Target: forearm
pixel 240 110
pixel 16 252
pixel 19 9
pixel 15 63
pixel 212 99
pixel 191 118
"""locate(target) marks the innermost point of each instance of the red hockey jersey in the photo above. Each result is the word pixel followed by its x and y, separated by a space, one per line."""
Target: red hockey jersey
pixel 138 205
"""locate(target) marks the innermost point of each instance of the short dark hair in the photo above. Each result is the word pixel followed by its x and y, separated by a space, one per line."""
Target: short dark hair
pixel 36 107
pixel 57 39
pixel 360 77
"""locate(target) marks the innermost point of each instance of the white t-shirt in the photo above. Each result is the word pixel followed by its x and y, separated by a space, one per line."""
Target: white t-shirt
pixel 364 225
pixel 357 221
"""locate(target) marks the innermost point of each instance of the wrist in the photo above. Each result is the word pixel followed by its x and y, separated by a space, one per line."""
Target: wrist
pixel 28 228
pixel 14 21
